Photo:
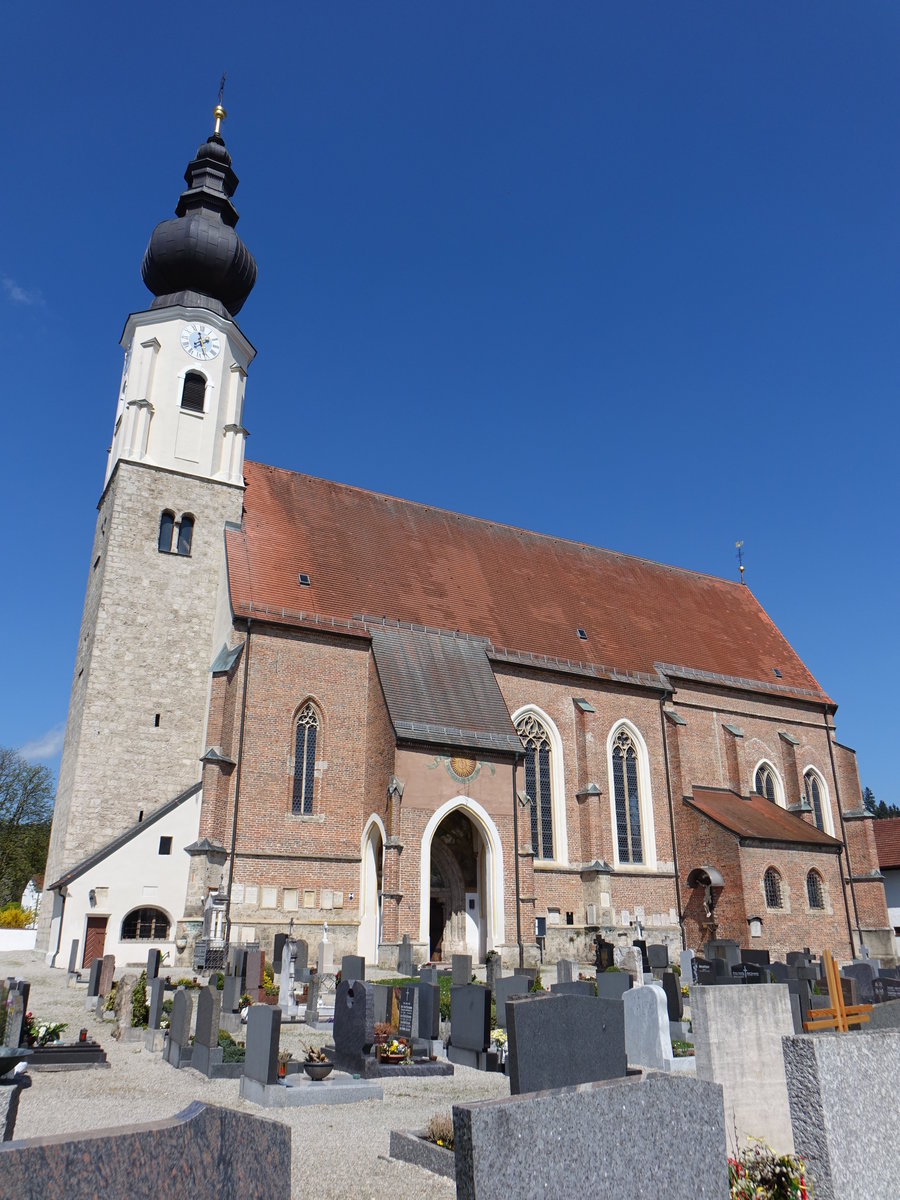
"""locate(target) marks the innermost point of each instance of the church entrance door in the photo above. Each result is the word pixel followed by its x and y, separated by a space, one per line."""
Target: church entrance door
pixel 457 922
pixel 370 895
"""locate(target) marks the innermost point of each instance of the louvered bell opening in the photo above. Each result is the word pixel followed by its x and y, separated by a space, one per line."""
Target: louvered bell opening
pixel 193 392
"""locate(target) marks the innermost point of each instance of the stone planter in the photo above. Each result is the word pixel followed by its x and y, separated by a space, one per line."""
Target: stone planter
pixel 317 1071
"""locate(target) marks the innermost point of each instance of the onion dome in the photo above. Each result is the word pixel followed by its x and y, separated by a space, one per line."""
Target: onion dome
pixel 196 258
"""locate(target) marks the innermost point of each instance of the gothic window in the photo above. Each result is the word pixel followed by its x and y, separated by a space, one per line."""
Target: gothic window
pixel 193 392
pixel 145 924
pixel 166 526
pixel 772 888
pixel 185 534
pixel 764 782
pixel 306 736
pixel 814 799
pixel 536 741
pixel 627 794
pixel 815 893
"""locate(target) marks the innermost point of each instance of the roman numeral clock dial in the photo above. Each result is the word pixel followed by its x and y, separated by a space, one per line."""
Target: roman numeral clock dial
pixel 200 341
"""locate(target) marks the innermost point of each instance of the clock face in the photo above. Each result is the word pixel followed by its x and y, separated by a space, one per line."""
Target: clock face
pixel 200 341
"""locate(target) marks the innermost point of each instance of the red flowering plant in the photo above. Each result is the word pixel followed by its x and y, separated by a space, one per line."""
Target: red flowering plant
pixel 758 1173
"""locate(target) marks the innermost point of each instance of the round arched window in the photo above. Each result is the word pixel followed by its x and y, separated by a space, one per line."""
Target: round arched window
pixel 145 924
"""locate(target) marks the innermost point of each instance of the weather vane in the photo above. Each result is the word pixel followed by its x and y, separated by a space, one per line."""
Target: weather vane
pixel 739 546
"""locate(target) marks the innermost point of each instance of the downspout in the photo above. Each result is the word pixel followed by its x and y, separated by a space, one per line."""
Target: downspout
pixel 662 722
pixel 515 808
pixel 840 808
pixel 237 789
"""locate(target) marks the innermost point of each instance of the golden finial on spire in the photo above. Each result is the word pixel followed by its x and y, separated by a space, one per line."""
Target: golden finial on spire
pixel 219 112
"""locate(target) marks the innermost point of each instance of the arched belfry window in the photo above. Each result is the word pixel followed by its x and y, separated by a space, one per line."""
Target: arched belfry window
pixel 185 533
pixel 166 526
pixel 305 739
pixel 814 799
pixel 193 392
pixel 536 741
pixel 764 782
pixel 627 794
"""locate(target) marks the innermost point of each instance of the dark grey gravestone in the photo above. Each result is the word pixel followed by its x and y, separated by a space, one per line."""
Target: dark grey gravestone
pixel 354 1025
pixel 231 994
pixel 381 1004
pixel 726 949
pixel 429 1011
pixel 312 999
pixel 301 955
pixel 577 1137
pixel 353 966
pixel 612 985
pixel 263 1036
pixel 795 958
pixel 178 1051
pixel 429 975
pixel 641 945
pixel 462 969
pixel 671 985
pixel 761 957
pixel 278 952
pixel 238 962
pixel 470 1017
pixel 557 1041
pixel 405 965
pixel 566 970
pixel 94 978
pixel 15 1019
pixel 493 970
pixel 509 985
pixel 254 970
pixel 154 959
pixel 207 1051
pixel 23 987
pixel 405 1011
pixel 704 971
pixel 73 957
pixel 576 987
pixel 884 989
pixel 750 973
pixel 157 995
pixel 778 971
pixel 864 974
pixel 658 956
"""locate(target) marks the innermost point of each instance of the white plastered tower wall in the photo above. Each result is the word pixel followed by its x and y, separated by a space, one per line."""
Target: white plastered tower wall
pixel 152 622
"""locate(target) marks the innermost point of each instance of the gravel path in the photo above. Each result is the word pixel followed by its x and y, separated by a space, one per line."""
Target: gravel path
pixel 336 1149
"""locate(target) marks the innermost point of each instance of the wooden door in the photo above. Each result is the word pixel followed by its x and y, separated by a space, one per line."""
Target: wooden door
pixel 94 939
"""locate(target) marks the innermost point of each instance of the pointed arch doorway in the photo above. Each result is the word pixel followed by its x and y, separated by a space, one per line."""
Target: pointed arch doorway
pixel 370 886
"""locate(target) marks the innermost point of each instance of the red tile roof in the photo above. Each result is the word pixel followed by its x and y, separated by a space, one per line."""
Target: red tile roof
pixel 887 841
pixel 374 556
pixel 757 818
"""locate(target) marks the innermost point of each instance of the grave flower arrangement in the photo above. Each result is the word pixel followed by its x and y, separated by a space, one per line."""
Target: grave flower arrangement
pixel 42 1033
pixel 440 1130
pixel 394 1050
pixel 758 1173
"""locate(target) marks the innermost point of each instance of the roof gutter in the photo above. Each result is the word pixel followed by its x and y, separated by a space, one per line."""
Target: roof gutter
pixel 237 792
pixel 515 808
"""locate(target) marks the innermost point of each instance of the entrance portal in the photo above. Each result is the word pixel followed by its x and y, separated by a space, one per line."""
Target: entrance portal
pixel 457 923
pixel 370 895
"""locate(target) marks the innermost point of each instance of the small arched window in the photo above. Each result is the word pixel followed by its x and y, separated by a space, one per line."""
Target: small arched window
pixel 627 793
pixel 193 392
pixel 772 888
pixel 305 738
pixel 166 526
pixel 815 893
pixel 185 533
pixel 765 782
pixel 814 798
pixel 536 741
pixel 145 924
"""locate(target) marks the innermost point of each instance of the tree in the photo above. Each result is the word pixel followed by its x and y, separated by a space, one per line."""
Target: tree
pixel 878 808
pixel 26 805
pixel 869 800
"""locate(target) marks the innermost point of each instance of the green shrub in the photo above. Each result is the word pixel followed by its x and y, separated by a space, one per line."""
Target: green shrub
pixel 139 1007
pixel 220 981
pixel 233 1053
pixel 225 1038
pixel 538 984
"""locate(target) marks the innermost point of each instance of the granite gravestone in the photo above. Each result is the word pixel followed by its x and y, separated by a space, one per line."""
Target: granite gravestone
pixel 686 959
pixel 576 987
pixel 107 972
pixel 94 979
pixel 493 970
pixel 778 972
pixel 748 972
pixel 231 994
pixel 566 970
pixel 470 1025
pixel 239 963
pixel 864 974
pixel 278 953
pixel 633 963
pixel 405 966
pixel 703 971
pixel 15 1019
pixel 641 945
pixel 301 956
pixel 177 1049
pixel 671 985
pixel 405 1012
pixel 760 957
pixel 311 1016
pixel 612 985
pixel 429 975
pixel 254 974
pixel 726 949
pixel 157 995
pixel 885 989
pixel 648 1042
pixel 353 966
pixel 263 1036
pixel 505 988
pixel 461 965
pixel 557 1041
pixel 154 959
pixel 354 1026
pixel 658 956
pixel 605 953
pixel 73 958
pixel 207 1052
pixel 430 1011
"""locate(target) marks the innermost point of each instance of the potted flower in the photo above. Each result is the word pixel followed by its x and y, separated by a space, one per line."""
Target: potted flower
pixel 42 1033
pixel 316 1065
pixel 393 1050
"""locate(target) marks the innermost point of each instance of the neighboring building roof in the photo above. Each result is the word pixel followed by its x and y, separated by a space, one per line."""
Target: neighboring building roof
pixel 369 557
pixel 440 688
pixel 758 819
pixel 117 842
pixel 887 841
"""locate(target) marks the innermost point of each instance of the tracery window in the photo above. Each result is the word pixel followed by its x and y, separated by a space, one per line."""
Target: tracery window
pixel 627 793
pixel 764 783
pixel 143 924
pixel 772 888
pixel 815 893
pixel 536 741
pixel 305 738
pixel 814 797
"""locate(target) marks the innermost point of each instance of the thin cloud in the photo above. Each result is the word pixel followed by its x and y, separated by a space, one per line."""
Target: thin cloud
pixel 20 295
pixel 48 745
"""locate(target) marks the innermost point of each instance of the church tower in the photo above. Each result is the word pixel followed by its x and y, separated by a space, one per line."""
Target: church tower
pixel 156 610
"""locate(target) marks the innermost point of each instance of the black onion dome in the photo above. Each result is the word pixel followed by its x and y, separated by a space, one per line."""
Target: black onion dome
pixel 196 258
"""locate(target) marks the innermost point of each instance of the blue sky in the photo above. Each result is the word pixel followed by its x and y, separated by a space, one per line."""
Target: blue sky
pixel 628 274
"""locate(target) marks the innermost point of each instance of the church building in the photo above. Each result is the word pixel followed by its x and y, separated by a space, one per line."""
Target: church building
pixel 298 703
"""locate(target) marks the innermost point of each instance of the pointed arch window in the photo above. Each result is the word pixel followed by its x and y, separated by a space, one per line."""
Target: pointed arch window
pixel 305 738
pixel 815 892
pixel 772 889
pixel 627 793
pixel 764 783
pixel 536 741
pixel 193 392
pixel 814 798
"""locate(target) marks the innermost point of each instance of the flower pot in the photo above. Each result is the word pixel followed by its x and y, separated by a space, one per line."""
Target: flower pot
pixel 317 1071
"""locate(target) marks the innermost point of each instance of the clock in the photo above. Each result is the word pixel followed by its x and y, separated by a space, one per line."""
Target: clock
pixel 200 341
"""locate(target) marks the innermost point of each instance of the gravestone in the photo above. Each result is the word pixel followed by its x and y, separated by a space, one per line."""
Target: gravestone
pixel 576 987
pixel 238 958
pixel 470 1025
pixel 383 994
pixel 557 1041
pixel 301 956
pixel 686 959
pixel 157 995
pixel 405 965
pixel 325 956
pixel 73 958
pixel 178 1050
pixel 94 979
pixel 566 970
pixel 641 945
pixel 354 1026
pixel 778 971
pixel 658 956
pixel 107 972
pixel 207 1051
pixel 24 988
pixel 864 974
pixel 254 974
pixel 508 986
pixel 671 985
pixel 278 952
pixel 429 975
pixel 612 985
pixel 648 1042
pixel 761 957
pixel 725 949
pixel 430 1011
pixel 154 958
pixel 15 1019
pixel 704 971
pixel 312 999
pixel 263 1036
pixel 748 972
pixel 604 953
pixel 493 970
pixel 885 989
pixel 461 965
pixel 231 994
pixel 633 963
pixel 353 966
pixel 405 1012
